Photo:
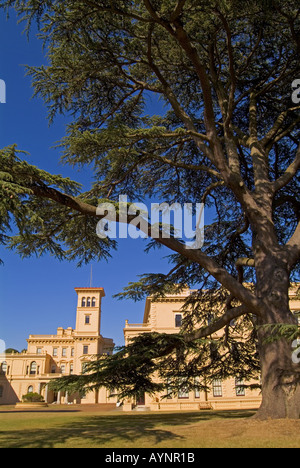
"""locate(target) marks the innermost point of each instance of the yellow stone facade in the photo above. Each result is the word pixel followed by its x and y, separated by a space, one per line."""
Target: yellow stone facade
pixel 165 316
pixel 51 356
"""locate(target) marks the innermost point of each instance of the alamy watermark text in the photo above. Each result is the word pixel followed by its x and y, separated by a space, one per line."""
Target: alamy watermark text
pixel 2 92
pixel 160 221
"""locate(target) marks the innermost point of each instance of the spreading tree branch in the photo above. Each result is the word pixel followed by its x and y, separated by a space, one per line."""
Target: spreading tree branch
pixel 289 174
pixel 230 315
pixel 220 274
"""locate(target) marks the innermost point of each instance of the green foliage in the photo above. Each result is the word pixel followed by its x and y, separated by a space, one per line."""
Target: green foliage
pixel 100 73
pixel 32 397
pixel 42 225
pixel 11 351
pixel 221 72
pixel 166 363
pixel 279 331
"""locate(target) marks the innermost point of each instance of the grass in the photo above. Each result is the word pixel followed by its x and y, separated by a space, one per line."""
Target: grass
pixel 77 428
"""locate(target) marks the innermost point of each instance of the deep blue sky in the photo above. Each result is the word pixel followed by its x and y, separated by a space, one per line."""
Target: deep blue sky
pixel 37 295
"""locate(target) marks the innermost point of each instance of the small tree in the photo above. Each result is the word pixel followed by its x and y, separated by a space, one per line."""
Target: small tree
pixel 11 351
pixel 227 73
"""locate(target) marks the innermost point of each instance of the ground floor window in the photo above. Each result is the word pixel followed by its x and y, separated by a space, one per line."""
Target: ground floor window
pixel 183 392
pixel 217 388
pixel 239 387
pixel 197 389
pixel 141 400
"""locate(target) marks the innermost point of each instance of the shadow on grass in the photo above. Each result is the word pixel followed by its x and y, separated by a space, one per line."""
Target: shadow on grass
pixel 37 411
pixel 110 431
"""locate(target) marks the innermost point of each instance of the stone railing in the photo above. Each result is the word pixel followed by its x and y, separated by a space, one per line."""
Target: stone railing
pixel 136 325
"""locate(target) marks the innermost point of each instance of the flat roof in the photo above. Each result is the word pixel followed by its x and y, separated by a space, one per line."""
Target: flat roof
pixel 90 289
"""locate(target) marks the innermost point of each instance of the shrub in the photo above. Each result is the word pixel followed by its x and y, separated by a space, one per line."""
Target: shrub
pixel 32 397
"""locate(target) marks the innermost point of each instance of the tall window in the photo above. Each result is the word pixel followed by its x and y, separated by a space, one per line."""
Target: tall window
pixel 87 320
pixel 178 320
pixel 197 388
pixel 33 368
pixel 88 302
pixel 83 302
pixel 217 388
pixel 85 349
pixel 30 389
pixel 3 368
pixel 239 387
pixel 64 352
pixel 63 369
pixel 183 392
pixel 54 352
pixel 93 302
pixel 169 391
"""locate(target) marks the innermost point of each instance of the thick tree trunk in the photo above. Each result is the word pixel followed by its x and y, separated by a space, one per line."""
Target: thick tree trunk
pixel 280 381
pixel 280 375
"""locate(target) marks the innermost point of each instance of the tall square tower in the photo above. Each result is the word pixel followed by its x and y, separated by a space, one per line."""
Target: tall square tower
pixel 88 316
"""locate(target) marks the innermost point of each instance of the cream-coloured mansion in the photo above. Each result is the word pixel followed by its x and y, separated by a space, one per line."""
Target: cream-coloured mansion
pixel 51 356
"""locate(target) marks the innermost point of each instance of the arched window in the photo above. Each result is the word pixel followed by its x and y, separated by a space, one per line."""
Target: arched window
pixel 83 302
pixel 33 368
pixel 30 389
pixel 63 369
pixel 93 302
pixel 88 302
pixel 3 367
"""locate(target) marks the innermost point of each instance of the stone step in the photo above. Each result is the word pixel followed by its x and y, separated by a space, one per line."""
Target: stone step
pixel 141 408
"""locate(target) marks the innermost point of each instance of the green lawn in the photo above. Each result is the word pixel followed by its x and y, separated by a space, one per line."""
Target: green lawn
pixel 71 428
